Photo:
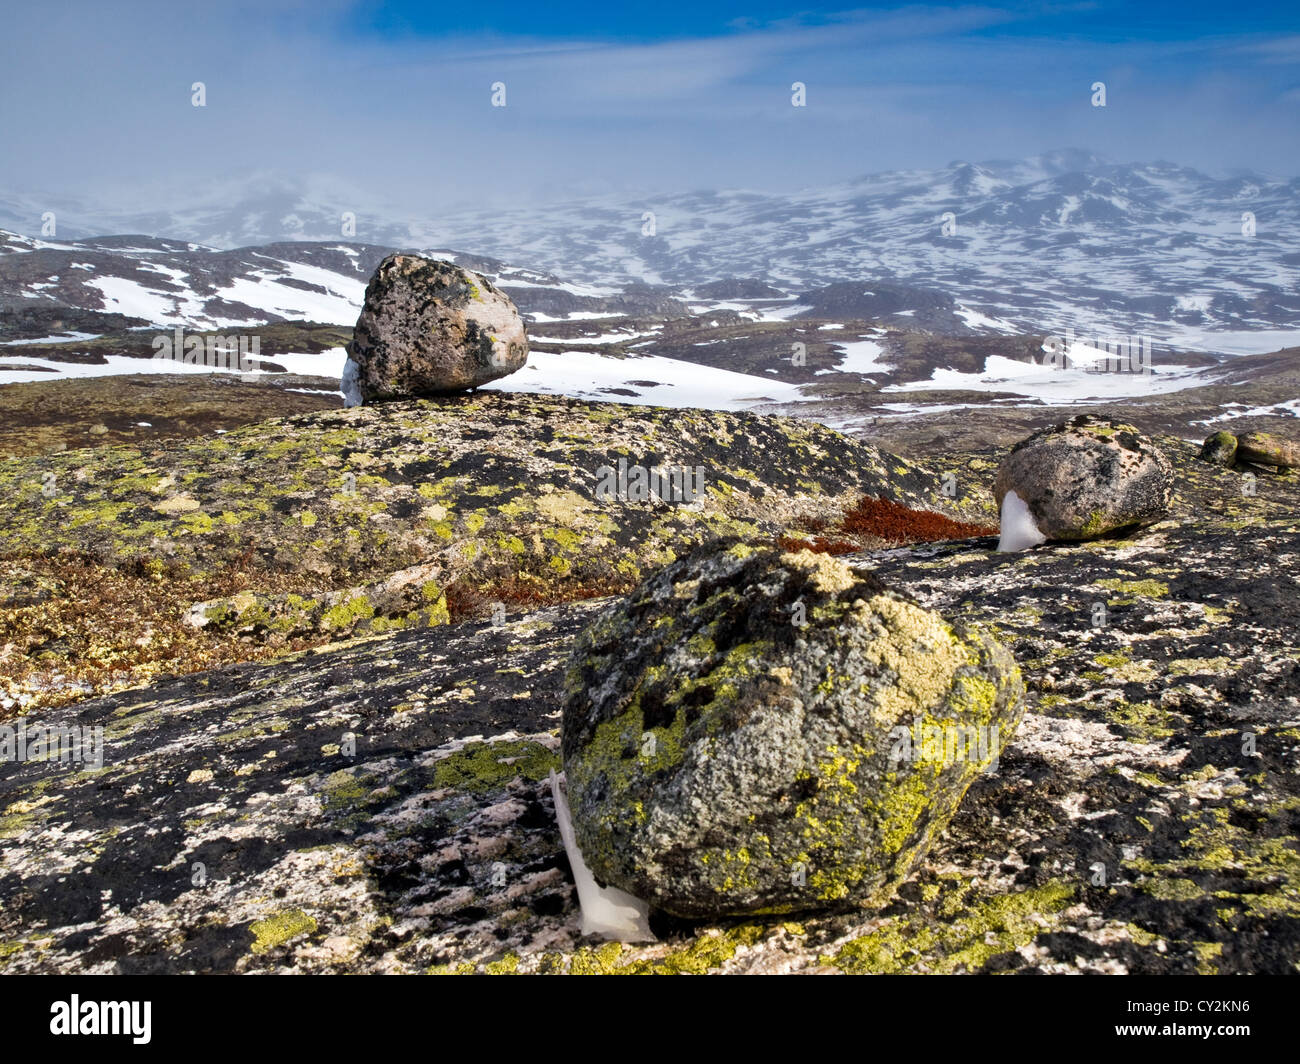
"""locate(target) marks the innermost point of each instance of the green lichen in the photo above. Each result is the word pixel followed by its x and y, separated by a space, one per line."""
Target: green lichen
pixel 1145 721
pixel 278 929
pixel 709 951
pixel 481 767
pixel 1144 588
pixel 959 938
pixel 348 614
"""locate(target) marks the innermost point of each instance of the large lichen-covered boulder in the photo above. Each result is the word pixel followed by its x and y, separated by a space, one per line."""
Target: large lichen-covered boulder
pixel 754 731
pixel 1266 448
pixel 1087 476
pixel 430 327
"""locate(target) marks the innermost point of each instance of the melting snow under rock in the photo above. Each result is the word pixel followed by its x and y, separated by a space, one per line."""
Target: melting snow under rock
pixel 606 911
pixel 1019 530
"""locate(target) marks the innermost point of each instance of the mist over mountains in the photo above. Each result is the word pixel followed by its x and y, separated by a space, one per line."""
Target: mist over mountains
pixel 1056 241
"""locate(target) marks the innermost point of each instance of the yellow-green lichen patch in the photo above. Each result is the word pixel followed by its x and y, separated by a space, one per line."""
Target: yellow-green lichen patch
pixel 958 938
pixel 1240 853
pixel 347 614
pixel 482 766
pixel 1217 666
pixel 278 929
pixel 709 951
pixel 1145 588
pixel 1145 721
pixel 507 965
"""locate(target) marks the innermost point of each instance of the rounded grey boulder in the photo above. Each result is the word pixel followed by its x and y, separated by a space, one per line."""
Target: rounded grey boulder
pixel 428 328
pixel 1265 448
pixel 1086 477
pixel 1220 448
pixel 753 731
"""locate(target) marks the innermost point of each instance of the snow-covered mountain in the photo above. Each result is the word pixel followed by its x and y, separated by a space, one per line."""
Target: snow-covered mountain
pixel 1065 240
pixel 847 353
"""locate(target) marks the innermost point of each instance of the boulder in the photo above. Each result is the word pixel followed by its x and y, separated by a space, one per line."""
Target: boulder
pixel 428 328
pixel 753 731
pixel 1264 448
pixel 1220 449
pixel 1086 477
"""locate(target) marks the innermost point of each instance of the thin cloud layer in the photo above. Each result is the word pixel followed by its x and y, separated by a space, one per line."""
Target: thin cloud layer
pixel 96 103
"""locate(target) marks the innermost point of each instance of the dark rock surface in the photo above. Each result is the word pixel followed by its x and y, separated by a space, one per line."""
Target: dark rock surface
pixel 1144 819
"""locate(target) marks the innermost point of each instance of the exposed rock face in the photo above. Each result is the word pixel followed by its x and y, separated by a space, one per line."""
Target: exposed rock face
pixel 430 327
pixel 492 493
pixel 1265 448
pixel 381 804
pixel 1220 449
pixel 1161 746
pixel 738 734
pixel 1086 477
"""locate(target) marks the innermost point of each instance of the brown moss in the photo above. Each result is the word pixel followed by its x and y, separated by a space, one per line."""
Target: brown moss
pixel 71 626
pixel 468 600
pixel 819 544
pixel 897 523
pixel 873 523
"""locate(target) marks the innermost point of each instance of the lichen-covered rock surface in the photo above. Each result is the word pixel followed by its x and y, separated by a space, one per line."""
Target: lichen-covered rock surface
pixel 1088 476
pixel 429 327
pixel 737 734
pixel 381 805
pixel 379 517
pixel 1266 448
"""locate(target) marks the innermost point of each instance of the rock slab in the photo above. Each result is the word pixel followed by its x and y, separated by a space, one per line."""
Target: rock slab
pixel 1265 448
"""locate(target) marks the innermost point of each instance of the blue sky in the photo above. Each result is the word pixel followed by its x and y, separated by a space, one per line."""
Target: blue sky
pixel 650 20
pixel 629 98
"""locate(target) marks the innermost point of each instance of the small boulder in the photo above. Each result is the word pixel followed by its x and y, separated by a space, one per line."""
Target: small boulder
pixel 1264 448
pixel 428 328
pixel 1086 477
pixel 753 731
pixel 1219 449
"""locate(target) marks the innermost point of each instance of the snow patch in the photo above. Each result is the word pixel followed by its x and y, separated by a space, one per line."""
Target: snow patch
pixel 606 911
pixel 1019 529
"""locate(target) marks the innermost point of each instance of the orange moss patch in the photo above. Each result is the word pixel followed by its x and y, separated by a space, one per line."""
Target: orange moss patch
pixel 893 521
pixel 874 523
